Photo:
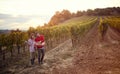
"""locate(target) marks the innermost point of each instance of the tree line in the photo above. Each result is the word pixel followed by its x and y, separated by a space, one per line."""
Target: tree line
pixel 64 15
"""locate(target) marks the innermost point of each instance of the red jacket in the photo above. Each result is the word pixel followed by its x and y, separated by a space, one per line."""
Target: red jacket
pixel 40 38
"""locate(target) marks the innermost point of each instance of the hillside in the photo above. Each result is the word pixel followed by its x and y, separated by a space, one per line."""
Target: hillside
pixel 64 15
pixel 4 31
pixel 84 53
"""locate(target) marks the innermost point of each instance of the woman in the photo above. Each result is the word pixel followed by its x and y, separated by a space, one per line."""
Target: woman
pixel 31 43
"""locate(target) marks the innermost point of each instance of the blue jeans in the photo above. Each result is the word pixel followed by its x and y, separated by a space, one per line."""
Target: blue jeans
pixel 41 53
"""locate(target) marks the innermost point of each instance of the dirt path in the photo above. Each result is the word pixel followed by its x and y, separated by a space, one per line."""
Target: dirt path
pixel 61 56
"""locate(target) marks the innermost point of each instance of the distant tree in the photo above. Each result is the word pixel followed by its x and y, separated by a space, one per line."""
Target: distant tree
pixel 60 17
pixel 73 14
pixel 89 12
pixel 79 13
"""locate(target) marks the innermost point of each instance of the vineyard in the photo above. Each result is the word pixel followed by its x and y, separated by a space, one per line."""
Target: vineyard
pixel 111 21
pixel 53 35
pixel 98 51
pixel 81 31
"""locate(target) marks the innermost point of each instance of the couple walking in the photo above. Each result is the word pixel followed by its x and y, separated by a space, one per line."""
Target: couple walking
pixel 36 43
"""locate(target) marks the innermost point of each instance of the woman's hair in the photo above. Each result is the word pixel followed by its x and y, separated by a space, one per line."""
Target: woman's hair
pixel 32 34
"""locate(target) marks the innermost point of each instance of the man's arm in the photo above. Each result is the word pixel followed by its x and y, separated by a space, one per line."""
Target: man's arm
pixel 43 43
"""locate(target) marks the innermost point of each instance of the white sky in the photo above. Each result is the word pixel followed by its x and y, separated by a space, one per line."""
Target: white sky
pixel 47 8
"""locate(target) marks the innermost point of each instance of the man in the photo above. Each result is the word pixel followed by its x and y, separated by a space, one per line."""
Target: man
pixel 40 42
